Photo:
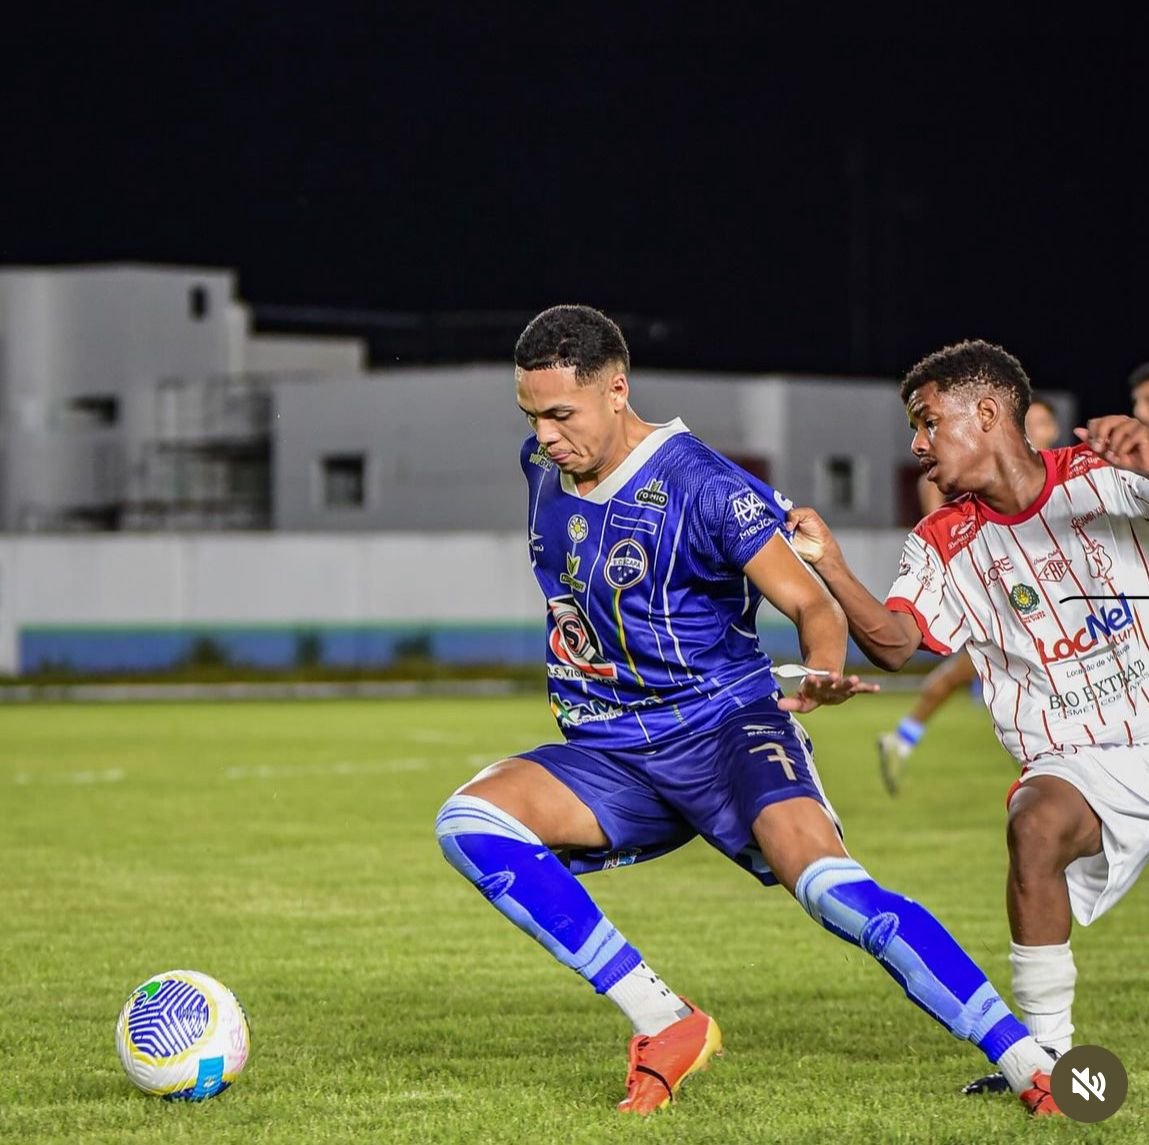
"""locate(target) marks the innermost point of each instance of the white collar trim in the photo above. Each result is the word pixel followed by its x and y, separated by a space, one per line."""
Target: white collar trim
pixel 635 460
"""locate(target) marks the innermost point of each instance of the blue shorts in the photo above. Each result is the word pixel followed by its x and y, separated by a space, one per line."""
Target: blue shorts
pixel 648 801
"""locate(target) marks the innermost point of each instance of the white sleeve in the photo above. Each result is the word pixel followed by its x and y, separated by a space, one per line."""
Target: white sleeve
pixel 923 589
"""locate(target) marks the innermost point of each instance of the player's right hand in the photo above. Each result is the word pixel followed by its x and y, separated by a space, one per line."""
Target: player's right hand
pixel 810 535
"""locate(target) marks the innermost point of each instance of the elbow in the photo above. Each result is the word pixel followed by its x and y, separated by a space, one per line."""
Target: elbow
pixel 890 659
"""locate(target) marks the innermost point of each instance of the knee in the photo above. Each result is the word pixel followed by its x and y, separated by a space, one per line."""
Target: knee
pixel 1038 840
pixel 464 814
pixel 823 890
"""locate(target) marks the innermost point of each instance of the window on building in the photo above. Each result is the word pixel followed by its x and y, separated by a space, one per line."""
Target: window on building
pixel 839 482
pixel 344 481
pixel 95 409
pixel 199 303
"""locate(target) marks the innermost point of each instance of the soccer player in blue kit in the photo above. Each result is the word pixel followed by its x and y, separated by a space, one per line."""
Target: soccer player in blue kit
pixel 653 553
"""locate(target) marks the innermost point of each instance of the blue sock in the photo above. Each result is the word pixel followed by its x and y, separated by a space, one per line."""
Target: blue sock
pixel 524 880
pixel 910 731
pixel 913 948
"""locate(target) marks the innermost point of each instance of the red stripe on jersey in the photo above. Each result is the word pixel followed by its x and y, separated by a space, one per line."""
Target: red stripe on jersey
pixel 1136 615
pixel 900 604
pixel 1017 723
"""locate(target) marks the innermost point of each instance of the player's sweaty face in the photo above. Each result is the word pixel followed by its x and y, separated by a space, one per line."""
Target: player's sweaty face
pixel 945 435
pixel 576 425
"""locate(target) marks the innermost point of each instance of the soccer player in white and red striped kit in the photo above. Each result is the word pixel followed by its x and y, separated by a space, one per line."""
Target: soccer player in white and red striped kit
pixel 1039 569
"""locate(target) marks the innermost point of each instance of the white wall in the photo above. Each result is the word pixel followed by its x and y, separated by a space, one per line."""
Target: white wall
pixel 294 578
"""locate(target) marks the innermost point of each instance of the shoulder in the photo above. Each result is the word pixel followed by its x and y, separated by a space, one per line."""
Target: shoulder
pixel 1075 461
pixel 532 457
pixel 949 529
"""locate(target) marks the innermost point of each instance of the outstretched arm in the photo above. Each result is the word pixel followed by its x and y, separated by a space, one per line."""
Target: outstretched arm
pixel 789 586
pixel 887 638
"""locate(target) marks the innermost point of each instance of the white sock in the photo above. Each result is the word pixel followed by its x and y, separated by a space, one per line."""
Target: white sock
pixel 1021 1061
pixel 1043 981
pixel 647 1001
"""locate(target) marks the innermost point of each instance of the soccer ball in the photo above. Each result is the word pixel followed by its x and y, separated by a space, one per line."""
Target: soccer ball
pixel 183 1036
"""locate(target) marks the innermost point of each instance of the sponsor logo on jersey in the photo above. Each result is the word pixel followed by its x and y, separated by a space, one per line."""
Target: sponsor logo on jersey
pixel 961 534
pixel 762 730
pixel 1100 562
pixel 570 577
pixel 748 507
pixel 577 528
pixel 651 494
pixel 626 564
pixel 592 712
pixel 1110 622
pixel 574 641
pixel 1052 568
pixel 540 459
pixel 1024 598
pixel 996 571
pixel 783 503
pixel 1099 691
pixel 1083 462
pixel 535 540
pixel 564 672
pixel 927 573
pixel 1079 523
pixel 623 858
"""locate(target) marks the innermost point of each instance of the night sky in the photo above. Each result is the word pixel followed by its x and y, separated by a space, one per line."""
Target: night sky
pixel 778 187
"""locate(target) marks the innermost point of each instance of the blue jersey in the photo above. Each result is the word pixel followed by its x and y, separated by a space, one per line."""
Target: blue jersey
pixel 650 618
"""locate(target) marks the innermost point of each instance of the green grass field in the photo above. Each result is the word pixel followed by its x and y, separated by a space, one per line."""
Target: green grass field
pixel 287 850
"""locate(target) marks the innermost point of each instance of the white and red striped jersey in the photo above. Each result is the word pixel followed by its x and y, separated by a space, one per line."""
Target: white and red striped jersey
pixel 1052 604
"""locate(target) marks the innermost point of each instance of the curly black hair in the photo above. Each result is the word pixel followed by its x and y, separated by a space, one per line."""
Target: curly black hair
pixel 973 363
pixel 577 336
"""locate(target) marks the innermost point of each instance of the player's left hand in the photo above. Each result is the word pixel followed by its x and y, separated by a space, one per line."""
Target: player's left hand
pixel 1122 441
pixel 814 691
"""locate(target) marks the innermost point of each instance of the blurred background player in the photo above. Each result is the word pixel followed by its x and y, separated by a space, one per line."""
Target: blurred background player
pixel 955 672
pixel 653 554
pixel 1139 392
pixel 1059 642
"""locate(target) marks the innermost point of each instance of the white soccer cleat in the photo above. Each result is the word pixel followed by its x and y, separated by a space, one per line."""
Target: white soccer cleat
pixel 891 761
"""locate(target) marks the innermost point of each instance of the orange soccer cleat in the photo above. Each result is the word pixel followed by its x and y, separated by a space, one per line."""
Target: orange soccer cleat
pixel 660 1063
pixel 1038 1099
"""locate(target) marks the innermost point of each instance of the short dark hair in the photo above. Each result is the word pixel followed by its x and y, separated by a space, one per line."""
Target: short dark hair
pixel 577 336
pixel 973 363
pixel 1139 375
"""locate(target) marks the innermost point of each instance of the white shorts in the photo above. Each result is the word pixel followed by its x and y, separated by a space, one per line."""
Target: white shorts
pixel 1115 783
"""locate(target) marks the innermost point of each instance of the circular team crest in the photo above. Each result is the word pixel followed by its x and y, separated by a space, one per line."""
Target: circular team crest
pixel 625 564
pixel 1023 598
pixel 577 528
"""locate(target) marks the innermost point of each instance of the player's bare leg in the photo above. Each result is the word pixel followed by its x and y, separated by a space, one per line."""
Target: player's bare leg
pixel 801 846
pixel 894 747
pixel 1050 825
pixel 500 831
pixel 539 801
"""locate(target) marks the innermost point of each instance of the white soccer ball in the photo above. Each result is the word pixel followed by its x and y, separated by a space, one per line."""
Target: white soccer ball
pixel 183 1036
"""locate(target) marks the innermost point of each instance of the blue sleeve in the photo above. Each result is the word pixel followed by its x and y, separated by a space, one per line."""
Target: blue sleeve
pixel 734 516
pixel 525 453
